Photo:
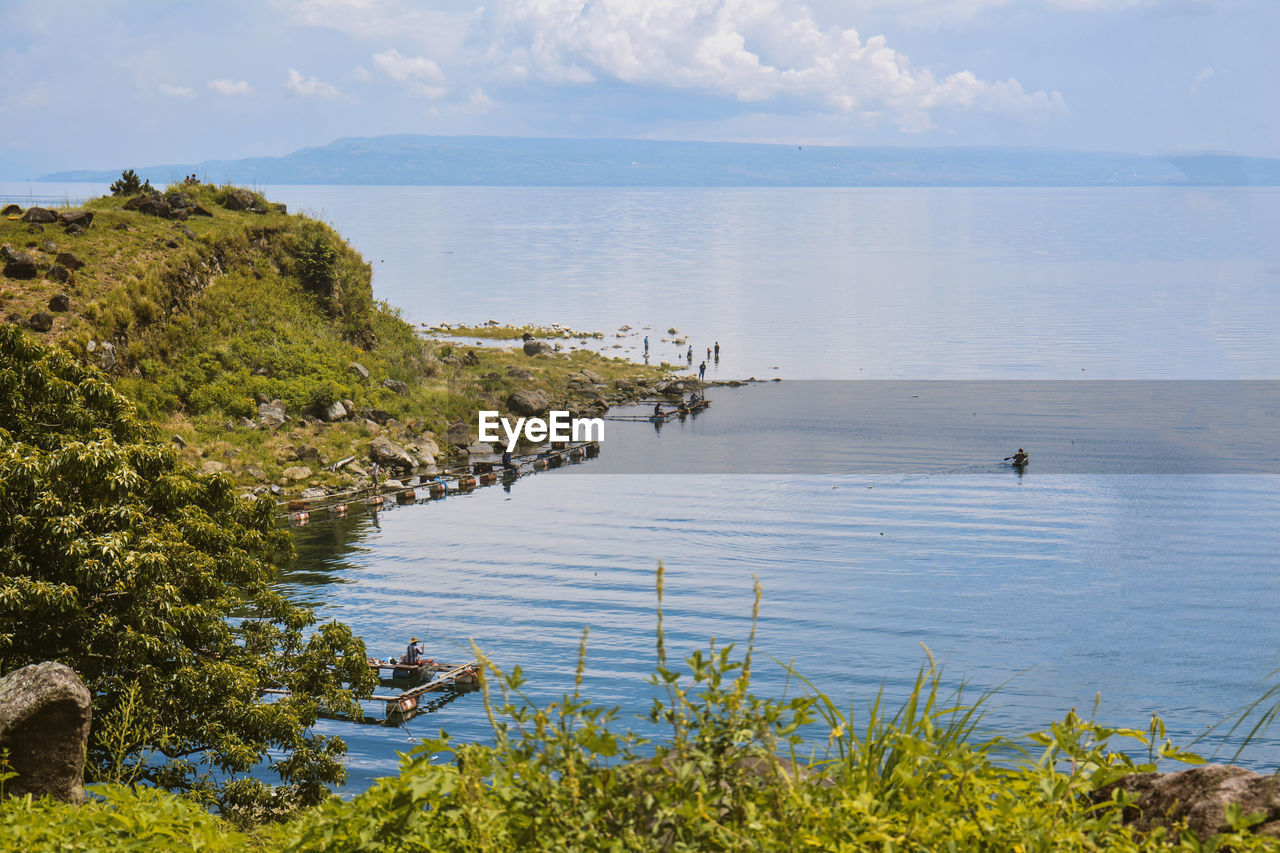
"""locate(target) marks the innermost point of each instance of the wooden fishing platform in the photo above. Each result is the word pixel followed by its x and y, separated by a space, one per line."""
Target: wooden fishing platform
pixel 679 412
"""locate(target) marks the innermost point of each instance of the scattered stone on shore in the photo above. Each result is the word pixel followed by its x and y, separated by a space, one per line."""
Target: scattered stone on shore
pixel 480 449
pixel 212 466
pixel 459 434
pixel 179 440
pixel 1200 797
pixel 425 449
pixel 396 386
pixel 388 454
pixel 533 346
pixel 307 453
pixel 41 321
pixel 59 274
pixel 39 216
pixel 673 331
pixel 11 210
pixel 60 302
pixel 359 369
pixel 528 402
pixel 256 473
pixel 519 373
pixel 296 473
pixel 106 355
pixel 45 711
pixel 314 493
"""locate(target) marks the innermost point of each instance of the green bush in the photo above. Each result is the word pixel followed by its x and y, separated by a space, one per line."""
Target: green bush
pixel 129 184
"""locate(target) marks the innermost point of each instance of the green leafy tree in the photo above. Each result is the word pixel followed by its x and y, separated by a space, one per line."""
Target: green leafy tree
pixel 129 184
pixel 156 584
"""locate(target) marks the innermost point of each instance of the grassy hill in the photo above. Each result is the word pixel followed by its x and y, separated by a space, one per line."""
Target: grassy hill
pixel 206 301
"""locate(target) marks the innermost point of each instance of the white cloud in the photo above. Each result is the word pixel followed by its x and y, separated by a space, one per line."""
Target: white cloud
pixel 1200 80
pixel 176 91
pixel 407 68
pixel 751 50
pixel 310 87
pixel 232 88
pixel 362 74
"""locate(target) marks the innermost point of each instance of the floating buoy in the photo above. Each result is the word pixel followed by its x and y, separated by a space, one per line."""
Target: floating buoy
pixel 338 509
pixel 299 505
pixel 488 479
pixel 578 452
pixel 375 501
pixel 593 449
pixel 540 464
pixel 300 517
pixel 466 482
pixel 408 496
pixel 436 488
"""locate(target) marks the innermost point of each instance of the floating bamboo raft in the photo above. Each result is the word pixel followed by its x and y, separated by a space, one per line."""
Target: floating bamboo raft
pixel 679 412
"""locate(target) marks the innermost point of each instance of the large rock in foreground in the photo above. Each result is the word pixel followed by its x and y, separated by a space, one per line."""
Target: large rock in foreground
pixel 536 347
pixel 45 711
pixel 1199 796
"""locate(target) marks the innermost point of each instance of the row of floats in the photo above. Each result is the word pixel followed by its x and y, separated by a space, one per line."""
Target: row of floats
pixel 473 476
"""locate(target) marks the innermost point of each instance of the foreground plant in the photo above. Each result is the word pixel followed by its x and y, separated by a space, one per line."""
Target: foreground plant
pixel 736 774
pixel 155 584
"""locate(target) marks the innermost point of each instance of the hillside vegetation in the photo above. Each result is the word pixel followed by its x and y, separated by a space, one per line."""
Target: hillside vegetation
pixel 201 319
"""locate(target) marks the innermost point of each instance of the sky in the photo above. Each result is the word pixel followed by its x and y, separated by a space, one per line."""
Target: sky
pixel 109 84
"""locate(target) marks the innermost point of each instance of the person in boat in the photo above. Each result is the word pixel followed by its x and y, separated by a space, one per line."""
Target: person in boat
pixel 413 654
pixel 694 399
pixel 1021 457
pixel 657 410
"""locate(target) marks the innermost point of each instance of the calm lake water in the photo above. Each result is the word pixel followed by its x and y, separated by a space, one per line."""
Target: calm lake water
pixel 1156 587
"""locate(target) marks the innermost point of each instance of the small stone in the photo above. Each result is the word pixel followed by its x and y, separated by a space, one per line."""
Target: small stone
pixel 41 321
pixel 179 440
pixel 59 274
pixel 61 302
pixel 359 369
pixel 296 473
pixel 212 466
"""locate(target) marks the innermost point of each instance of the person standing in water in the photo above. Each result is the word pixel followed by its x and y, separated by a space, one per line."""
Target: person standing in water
pixel 702 371
pixel 717 350
pixel 689 354
pixel 646 344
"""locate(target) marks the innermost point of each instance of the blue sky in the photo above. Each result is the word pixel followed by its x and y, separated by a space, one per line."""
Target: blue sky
pixel 108 84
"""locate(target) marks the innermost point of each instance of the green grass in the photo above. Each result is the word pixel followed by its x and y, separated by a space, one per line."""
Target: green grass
pixel 510 333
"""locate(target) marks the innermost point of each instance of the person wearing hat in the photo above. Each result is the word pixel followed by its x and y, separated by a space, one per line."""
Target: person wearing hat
pixel 414 652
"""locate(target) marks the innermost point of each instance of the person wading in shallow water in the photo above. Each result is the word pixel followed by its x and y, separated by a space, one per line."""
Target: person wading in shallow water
pixel 702 371
pixel 373 472
pixel 689 355
pixel 717 350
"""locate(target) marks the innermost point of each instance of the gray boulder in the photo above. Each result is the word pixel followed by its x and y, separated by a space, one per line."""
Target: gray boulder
pixel 458 435
pixel 79 218
pixel 1199 796
pixel 272 414
pixel 41 321
pixel 239 200
pixel 18 264
pixel 45 711
pixel 391 455
pixel 335 411
pixel 11 210
pixel 296 473
pixel 528 402
pixel 60 302
pixel 519 373
pixel 178 200
pixel 537 347
pixel 69 261
pixel 359 369
pixel 59 274
pixel 315 493
pixel 39 216
pixel 106 355
pixel 395 385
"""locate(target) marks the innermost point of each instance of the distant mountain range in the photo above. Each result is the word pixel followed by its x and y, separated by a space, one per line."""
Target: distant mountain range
pixel 413 160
